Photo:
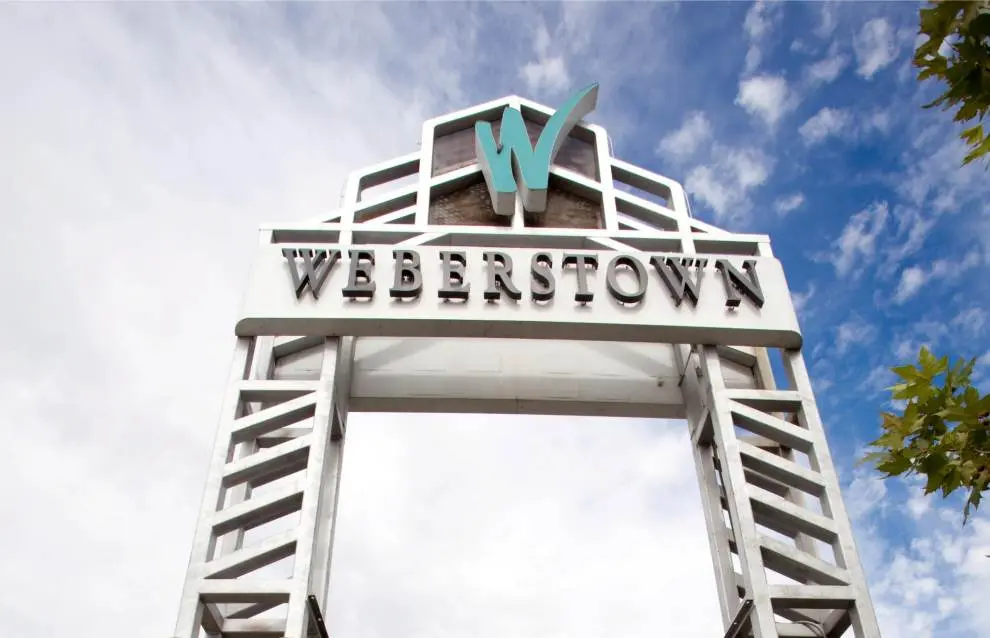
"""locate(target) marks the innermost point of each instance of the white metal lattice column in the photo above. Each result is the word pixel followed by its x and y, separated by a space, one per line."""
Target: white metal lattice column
pixel 288 439
pixel 747 443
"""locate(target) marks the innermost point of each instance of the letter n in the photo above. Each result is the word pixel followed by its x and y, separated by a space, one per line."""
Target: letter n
pixel 736 282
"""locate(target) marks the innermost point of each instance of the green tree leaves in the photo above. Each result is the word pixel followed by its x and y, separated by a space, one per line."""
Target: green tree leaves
pixel 943 432
pixel 964 26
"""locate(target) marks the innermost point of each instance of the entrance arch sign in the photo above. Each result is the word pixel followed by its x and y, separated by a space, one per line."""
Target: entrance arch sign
pixel 438 296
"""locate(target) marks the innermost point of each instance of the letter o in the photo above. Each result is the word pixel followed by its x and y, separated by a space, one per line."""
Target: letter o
pixel 612 279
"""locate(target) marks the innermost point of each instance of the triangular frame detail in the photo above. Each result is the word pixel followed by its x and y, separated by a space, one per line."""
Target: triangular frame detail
pixel 640 210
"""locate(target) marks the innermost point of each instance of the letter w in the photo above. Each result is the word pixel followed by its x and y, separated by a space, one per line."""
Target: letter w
pixel 316 267
pixel 515 153
pixel 677 277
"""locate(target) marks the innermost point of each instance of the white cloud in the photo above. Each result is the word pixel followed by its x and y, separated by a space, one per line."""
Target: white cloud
pixel 801 299
pixel 918 504
pixel 911 229
pixel 876 47
pixel 878 120
pixel 726 184
pixel 879 378
pixel 542 40
pixel 548 73
pixel 914 278
pixel 852 332
pixel 828 69
pixel 981 373
pixel 971 321
pixel 827 122
pixel 929 585
pixel 788 203
pixel 766 97
pixel 858 242
pixel 759 19
pixel 925 332
pixel 685 141
pixel 827 20
pixel 758 23
pixel 459 510
pixel 906 349
pixel 935 181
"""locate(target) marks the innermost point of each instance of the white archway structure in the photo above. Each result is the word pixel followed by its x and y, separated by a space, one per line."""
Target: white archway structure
pixel 781 542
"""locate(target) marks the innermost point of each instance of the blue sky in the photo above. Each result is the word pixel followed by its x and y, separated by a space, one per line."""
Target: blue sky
pixel 144 144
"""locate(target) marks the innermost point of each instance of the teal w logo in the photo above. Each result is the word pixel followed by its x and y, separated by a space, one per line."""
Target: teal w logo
pixel 515 165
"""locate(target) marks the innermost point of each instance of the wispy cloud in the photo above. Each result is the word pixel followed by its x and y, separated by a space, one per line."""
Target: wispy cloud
pixel 857 244
pixel 726 184
pixel 827 20
pixel 760 20
pixel 876 47
pixel 548 72
pixel 683 143
pixel 972 321
pixel 801 299
pixel 855 331
pixel 788 203
pixel 827 69
pixel 914 278
pixel 825 123
pixel 930 582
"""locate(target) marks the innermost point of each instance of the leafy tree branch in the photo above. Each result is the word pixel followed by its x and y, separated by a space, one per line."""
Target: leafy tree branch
pixel 957 53
pixel 943 432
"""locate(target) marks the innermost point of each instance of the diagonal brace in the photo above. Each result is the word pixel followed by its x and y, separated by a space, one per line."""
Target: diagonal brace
pixel 741 622
pixel 316 616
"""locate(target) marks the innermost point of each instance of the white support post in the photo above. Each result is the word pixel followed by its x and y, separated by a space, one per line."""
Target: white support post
pixel 745 535
pixel 862 615
pixel 425 180
pixel 603 156
pixel 750 438
pixel 215 596
pixel 191 607
pixel 324 459
pixel 719 534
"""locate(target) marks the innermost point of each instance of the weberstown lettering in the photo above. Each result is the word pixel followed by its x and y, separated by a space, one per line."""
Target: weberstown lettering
pixel 627 278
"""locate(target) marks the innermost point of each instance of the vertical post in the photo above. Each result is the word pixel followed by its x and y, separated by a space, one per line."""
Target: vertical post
pixel 719 535
pixel 323 458
pixel 259 369
pixel 734 486
pixel 331 474
pixel 425 174
pixel 284 428
pixel 862 615
pixel 603 156
pixel 191 608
